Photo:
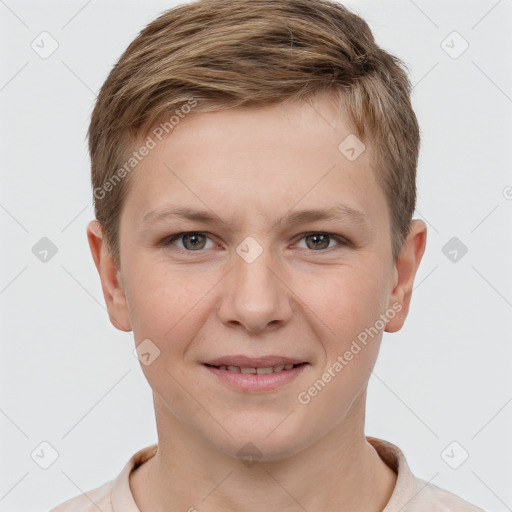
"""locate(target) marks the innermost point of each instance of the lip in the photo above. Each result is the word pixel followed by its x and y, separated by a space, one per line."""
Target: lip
pixel 253 362
pixel 254 383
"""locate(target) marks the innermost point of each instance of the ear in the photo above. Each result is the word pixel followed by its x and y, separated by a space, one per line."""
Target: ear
pixel 110 276
pixel 405 271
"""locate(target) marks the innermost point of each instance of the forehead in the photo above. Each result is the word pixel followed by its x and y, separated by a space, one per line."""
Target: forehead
pixel 250 163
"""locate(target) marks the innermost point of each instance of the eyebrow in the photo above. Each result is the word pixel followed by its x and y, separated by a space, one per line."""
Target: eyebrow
pixel 337 212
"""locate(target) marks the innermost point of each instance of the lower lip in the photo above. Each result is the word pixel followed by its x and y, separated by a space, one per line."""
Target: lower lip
pixel 256 382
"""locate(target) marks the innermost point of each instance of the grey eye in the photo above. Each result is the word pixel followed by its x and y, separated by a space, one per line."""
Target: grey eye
pixel 319 241
pixel 192 241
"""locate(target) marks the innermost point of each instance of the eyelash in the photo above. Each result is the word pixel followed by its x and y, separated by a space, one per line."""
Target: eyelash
pixel 169 239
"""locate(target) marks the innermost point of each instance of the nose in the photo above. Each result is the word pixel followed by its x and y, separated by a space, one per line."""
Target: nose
pixel 254 295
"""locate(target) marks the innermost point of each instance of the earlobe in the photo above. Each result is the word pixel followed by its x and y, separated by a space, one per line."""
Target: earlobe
pixel 405 272
pixel 110 277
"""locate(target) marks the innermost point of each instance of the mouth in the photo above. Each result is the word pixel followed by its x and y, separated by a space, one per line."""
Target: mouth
pixel 260 370
pixel 255 375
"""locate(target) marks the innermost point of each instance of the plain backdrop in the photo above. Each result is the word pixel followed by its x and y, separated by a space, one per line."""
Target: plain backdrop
pixel 70 379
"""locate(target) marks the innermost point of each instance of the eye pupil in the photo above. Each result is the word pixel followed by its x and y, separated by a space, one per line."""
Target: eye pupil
pixel 195 243
pixel 322 238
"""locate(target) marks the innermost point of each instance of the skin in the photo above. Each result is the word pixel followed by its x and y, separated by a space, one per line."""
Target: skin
pixel 251 167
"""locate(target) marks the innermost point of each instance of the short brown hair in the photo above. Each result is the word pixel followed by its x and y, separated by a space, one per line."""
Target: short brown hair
pixel 222 54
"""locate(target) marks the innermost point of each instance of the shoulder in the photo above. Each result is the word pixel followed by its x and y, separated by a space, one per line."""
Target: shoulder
pixel 430 498
pixel 91 501
pixel 413 494
pixel 115 495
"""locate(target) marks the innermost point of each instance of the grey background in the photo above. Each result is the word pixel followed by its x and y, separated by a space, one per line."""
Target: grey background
pixel 69 378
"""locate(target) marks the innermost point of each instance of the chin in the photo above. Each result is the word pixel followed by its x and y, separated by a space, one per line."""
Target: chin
pixel 262 440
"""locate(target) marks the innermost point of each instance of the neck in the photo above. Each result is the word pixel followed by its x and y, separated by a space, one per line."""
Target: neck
pixel 341 472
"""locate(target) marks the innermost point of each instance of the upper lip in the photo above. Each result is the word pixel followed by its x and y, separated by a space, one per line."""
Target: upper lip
pixel 254 362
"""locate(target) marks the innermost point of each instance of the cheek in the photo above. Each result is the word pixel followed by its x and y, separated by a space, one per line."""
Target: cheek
pixel 346 300
pixel 349 305
pixel 163 299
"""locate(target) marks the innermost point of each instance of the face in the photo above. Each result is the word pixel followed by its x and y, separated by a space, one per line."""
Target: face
pixel 253 278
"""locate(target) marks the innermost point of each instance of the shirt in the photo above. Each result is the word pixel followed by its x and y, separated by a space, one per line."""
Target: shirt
pixel 411 494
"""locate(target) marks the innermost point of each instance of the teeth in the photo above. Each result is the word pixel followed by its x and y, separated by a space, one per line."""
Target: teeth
pixel 265 370
pixel 260 371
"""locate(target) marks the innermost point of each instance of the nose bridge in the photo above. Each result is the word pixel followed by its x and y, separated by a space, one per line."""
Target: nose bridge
pixel 254 295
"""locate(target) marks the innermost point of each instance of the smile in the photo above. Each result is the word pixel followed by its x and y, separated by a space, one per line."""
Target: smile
pixel 259 371
pixel 256 380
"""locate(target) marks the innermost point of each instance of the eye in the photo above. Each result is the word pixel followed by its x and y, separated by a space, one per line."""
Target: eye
pixel 192 241
pixel 321 241
pixel 195 241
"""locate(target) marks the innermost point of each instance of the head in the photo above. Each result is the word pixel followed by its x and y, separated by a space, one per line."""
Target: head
pixel 252 114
